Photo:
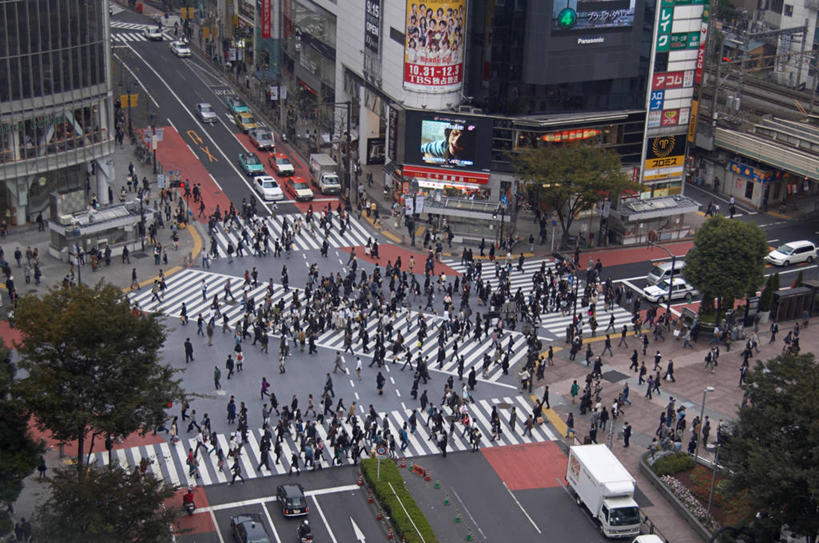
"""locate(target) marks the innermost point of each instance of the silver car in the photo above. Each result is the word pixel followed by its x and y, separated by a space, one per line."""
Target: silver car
pixel 205 113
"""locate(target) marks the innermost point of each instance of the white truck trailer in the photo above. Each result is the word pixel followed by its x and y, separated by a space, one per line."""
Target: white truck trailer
pixel 599 482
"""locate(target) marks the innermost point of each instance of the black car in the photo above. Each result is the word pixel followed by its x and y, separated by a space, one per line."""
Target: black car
pixel 292 500
pixel 248 528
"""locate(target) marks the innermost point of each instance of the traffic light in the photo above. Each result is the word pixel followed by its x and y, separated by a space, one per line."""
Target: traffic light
pixel 177 184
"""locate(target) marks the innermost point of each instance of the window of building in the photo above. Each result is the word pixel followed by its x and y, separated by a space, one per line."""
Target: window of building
pixel 776 6
pixel 788 10
pixel 749 189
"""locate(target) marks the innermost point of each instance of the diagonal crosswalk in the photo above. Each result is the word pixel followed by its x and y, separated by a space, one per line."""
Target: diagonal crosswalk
pixel 187 287
pixel 168 461
pixel 307 239
pixel 553 322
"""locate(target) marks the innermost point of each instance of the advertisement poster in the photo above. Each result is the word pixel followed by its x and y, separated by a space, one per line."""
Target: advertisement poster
pixel 267 25
pixel 449 142
pixel 592 15
pixel 434 48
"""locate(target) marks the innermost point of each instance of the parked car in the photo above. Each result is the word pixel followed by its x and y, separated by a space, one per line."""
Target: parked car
pixel 180 49
pixel 245 121
pixel 792 252
pixel 262 138
pixel 281 164
pixel 249 528
pixel 292 500
pixel 659 292
pixel 301 190
pixel 206 113
pixel 152 33
pixel 235 105
pixel 251 164
pixel 268 188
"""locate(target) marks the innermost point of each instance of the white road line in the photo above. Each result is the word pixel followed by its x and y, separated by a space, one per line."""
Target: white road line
pixel 270 521
pixel 215 182
pixel 218 533
pixel 466 510
pixel 521 507
pixel 205 132
pixel 324 519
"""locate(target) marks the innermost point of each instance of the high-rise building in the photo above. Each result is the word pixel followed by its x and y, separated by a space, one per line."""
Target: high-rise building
pixel 56 109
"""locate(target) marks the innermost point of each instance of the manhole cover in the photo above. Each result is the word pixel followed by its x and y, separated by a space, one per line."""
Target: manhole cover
pixel 614 376
pixel 503 405
pixel 139 254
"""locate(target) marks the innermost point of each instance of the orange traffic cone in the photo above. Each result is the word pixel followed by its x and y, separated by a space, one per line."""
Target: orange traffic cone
pixel 360 479
pixel 403 461
pixel 389 533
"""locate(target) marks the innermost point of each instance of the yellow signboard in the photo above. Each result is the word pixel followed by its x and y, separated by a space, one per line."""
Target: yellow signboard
pixel 205 33
pixel 123 101
pixel 663 168
pixel 692 122
pixel 134 100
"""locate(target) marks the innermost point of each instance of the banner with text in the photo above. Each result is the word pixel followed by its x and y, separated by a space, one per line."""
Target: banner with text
pixel 434 47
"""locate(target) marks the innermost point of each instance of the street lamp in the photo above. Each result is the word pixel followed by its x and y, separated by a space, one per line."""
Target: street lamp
pixel 713 476
pixel 352 191
pixel 702 415
pixel 671 277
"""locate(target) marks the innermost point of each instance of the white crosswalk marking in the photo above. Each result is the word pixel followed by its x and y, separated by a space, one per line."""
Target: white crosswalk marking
pixel 115 9
pixel 555 323
pixel 186 287
pixel 127 36
pixel 122 25
pixel 171 459
pixel 306 240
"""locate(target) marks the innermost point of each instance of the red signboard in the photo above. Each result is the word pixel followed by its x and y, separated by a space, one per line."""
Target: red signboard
pixel 444 176
pixel 432 76
pixel 701 53
pixel 266 18
pixel 671 117
pixel 668 80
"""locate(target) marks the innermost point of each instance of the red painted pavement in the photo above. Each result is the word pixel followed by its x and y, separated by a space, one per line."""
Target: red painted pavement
pixel 390 252
pixel 197 523
pixel 533 465
pixel 11 336
pixel 175 155
pixel 70 448
pixel 616 257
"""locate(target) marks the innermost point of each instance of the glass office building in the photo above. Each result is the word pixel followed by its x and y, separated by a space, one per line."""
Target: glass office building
pixel 56 109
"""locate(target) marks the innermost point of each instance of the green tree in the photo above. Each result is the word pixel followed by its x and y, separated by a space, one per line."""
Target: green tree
pixel 571 178
pixel 107 504
pixel 727 259
pixel 773 450
pixel 19 454
pixel 92 364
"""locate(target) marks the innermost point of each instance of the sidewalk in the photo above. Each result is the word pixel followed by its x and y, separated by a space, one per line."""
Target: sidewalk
pixel 644 414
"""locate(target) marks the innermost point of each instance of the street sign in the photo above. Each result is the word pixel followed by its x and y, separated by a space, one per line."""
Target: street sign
pixel 381 451
pixel 160 180
pixel 554 223
pixel 159 133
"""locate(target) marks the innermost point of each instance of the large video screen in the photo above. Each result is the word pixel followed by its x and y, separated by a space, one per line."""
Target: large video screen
pixel 448 140
pixel 592 15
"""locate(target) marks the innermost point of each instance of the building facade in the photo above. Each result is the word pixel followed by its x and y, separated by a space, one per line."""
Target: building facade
pixel 56 109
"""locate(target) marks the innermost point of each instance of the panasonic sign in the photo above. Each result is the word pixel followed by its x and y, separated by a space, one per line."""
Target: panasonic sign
pixel 590 41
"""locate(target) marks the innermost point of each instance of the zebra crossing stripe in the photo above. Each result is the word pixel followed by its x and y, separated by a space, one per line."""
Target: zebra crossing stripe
pixel 354 235
pixel 168 458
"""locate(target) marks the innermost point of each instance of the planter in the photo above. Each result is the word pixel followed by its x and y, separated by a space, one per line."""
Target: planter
pixel 681 509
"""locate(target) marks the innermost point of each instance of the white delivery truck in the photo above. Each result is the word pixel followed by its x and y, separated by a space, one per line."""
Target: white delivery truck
pixel 599 481
pixel 324 171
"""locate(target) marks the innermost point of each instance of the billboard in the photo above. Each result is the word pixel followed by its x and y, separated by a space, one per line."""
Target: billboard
pixel 592 14
pixel 578 41
pixel 434 47
pixel 665 158
pixel 448 140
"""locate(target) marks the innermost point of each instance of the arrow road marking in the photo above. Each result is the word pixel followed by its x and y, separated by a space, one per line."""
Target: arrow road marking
pixel 359 535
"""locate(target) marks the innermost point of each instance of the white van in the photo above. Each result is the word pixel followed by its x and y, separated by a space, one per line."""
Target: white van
pixel 662 271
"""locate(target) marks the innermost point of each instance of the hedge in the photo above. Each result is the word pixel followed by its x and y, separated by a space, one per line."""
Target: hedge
pixel 392 507
pixel 673 463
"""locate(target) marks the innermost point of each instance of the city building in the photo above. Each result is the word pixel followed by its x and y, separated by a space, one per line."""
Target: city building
pixel 56 108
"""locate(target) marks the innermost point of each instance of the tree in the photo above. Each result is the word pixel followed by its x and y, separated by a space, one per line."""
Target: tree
pixel 773 450
pixel 107 504
pixel 571 178
pixel 727 259
pixel 19 454
pixel 92 364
